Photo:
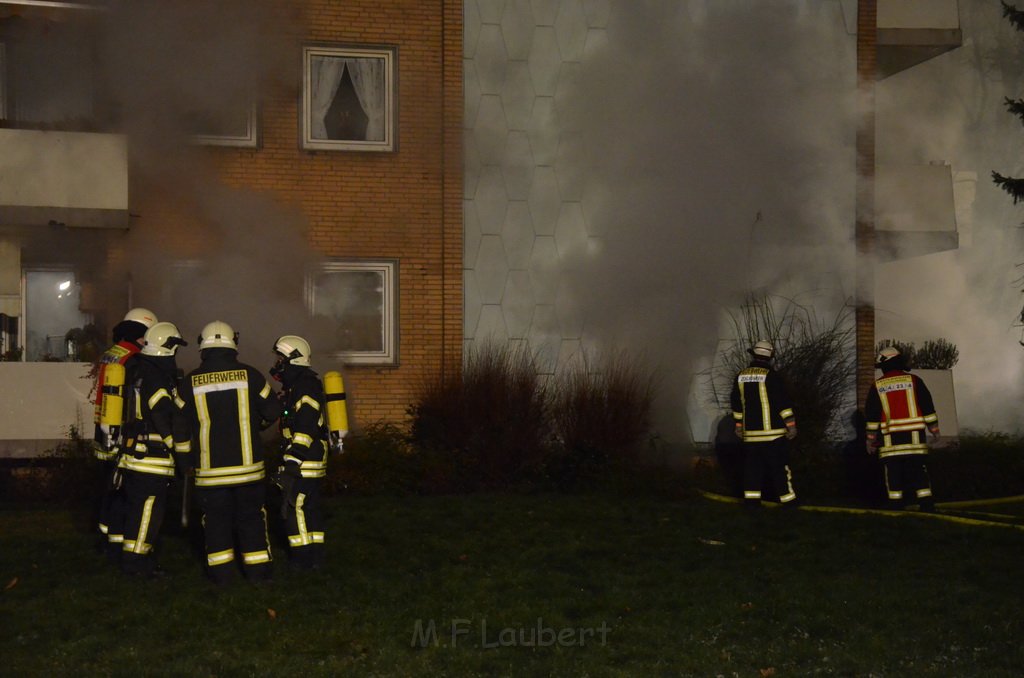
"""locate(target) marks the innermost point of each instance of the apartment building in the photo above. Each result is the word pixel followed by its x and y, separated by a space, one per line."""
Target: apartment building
pixel 287 167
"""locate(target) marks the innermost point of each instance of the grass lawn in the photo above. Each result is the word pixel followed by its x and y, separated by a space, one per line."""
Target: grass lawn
pixel 531 585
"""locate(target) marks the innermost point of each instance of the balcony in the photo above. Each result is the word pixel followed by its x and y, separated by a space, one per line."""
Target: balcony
pixel 914 211
pixel 77 179
pixel 39 404
pixel 910 31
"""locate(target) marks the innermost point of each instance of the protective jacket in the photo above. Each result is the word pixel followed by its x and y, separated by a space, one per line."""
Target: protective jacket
pixel 761 404
pixel 121 352
pixel 228 402
pixel 303 426
pixel 157 422
pixel 900 408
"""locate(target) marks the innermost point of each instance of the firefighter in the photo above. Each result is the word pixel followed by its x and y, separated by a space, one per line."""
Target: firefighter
pixel 304 432
pixel 763 417
pixel 898 412
pixel 127 337
pixel 229 402
pixel 157 440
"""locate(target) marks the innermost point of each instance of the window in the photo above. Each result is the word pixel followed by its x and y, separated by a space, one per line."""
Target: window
pixel 3 81
pixel 55 329
pixel 359 300
pixel 230 127
pixel 50 74
pixel 349 98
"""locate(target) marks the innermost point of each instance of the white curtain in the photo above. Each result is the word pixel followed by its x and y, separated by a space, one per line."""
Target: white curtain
pixel 324 79
pixel 369 82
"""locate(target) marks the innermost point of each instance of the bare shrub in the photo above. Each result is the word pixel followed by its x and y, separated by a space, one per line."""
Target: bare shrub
pixel 601 415
pixel 814 357
pixel 493 418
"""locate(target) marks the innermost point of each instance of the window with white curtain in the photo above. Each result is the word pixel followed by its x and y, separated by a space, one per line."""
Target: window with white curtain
pixel 349 98
pixel 359 299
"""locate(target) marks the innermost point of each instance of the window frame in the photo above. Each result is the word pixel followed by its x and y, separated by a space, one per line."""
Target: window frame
pixel 251 138
pixel 388 54
pixel 389 270
pixel 3 81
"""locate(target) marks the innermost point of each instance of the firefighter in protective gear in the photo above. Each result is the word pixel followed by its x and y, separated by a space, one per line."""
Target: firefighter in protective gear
pixel 128 338
pixel 898 412
pixel 304 432
pixel 160 439
pixel 228 401
pixel 762 412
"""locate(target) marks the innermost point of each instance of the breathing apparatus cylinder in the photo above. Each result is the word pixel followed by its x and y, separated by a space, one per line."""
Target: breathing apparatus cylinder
pixel 112 403
pixel 337 412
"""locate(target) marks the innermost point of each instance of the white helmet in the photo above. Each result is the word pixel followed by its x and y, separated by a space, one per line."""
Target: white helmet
pixel 762 349
pixel 142 316
pixel 293 349
pixel 218 334
pixel 162 339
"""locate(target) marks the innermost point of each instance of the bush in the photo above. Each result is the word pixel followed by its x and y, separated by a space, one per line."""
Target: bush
pixel 377 460
pixel 937 354
pixel 67 475
pixel 600 418
pixel 979 465
pixel 492 420
pixel 814 358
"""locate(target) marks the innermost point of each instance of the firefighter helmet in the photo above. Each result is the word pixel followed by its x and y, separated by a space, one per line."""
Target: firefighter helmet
pixel 762 349
pixel 889 356
pixel 218 334
pixel 142 316
pixel 294 350
pixel 163 339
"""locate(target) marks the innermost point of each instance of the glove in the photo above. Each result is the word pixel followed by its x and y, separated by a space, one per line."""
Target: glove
pixel 337 443
pixel 286 479
pixel 116 480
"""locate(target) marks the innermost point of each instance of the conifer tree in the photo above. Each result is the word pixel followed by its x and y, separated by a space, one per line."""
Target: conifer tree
pixel 1012 185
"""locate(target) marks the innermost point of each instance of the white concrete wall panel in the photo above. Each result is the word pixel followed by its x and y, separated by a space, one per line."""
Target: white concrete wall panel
pixel 543 131
pixel 517 95
pixel 491 200
pixel 544 269
pixel 517 166
pixel 544 11
pixel 526 203
pixel 517 28
pixel 490 130
pixel 545 61
pixel 544 201
pixel 491 269
pixel 517 235
pixel 517 304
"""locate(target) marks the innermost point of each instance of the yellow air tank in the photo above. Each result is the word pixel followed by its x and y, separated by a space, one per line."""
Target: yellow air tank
pixel 112 403
pixel 337 412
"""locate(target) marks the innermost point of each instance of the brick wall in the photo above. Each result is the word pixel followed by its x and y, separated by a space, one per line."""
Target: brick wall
pixel 865 200
pixel 404 205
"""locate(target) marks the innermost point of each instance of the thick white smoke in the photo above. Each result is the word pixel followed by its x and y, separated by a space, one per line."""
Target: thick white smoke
pixel 208 250
pixel 718 140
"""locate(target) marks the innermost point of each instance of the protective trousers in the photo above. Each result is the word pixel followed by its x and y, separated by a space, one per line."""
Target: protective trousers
pixel 110 509
pixel 304 523
pixel 765 465
pixel 145 497
pixel 907 473
pixel 230 511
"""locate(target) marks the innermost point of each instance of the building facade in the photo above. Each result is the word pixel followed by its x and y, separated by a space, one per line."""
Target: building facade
pixel 285 167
